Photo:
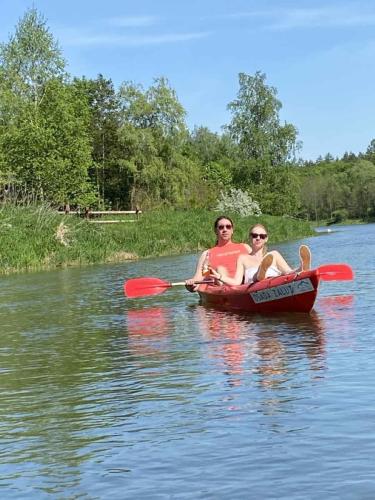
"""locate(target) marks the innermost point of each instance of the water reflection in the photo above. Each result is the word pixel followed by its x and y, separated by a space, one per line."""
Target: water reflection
pixel 149 321
pixel 267 348
pixel 148 334
pixel 224 333
pixel 338 312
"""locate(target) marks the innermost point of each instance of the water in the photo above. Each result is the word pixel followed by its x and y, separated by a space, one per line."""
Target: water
pixel 161 398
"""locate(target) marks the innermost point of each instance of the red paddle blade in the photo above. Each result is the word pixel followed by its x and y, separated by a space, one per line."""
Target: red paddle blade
pixel 141 287
pixel 335 272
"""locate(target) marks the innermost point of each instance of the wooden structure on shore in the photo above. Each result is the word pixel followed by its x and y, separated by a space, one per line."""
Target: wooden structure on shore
pixel 93 215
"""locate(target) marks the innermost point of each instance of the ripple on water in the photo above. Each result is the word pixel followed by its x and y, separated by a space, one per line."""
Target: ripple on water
pixel 163 398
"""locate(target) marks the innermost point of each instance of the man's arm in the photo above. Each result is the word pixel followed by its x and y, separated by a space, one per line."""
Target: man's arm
pixel 198 276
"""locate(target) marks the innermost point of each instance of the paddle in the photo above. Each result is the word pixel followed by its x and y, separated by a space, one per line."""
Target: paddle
pixel 335 272
pixel 141 287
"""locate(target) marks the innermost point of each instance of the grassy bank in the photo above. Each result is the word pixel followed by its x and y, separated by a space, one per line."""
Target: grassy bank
pixel 34 238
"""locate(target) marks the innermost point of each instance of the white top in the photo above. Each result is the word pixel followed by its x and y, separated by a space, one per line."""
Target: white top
pixel 251 273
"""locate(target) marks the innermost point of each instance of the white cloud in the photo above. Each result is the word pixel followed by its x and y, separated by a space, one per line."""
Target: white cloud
pixel 133 22
pixel 132 41
pixel 325 17
pixel 340 16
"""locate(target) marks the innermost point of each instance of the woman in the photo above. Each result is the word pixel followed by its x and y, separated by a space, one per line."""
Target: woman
pixel 259 264
pixel 223 255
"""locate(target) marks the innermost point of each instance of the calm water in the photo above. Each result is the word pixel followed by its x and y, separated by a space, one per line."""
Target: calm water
pixel 161 398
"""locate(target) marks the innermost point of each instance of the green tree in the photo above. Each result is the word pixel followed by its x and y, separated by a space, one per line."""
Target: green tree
pixel 50 153
pixel 44 144
pixel 361 179
pixel 104 125
pixel 370 152
pixel 215 153
pixel 255 125
pixel 153 137
pixel 31 58
pixel 265 146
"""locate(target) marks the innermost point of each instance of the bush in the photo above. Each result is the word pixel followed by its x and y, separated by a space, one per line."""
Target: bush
pixel 339 216
pixel 238 201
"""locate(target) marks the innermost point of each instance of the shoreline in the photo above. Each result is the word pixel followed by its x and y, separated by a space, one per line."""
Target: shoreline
pixel 37 238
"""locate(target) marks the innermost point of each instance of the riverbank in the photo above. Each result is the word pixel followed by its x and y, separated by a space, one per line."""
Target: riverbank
pixel 345 222
pixel 34 238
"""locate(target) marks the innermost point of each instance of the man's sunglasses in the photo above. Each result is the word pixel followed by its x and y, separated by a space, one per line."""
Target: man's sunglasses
pixel 261 236
pixel 224 226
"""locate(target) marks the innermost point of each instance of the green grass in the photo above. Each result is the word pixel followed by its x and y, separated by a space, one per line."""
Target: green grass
pixel 36 237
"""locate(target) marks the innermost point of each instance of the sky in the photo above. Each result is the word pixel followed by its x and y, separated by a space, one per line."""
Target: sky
pixel 319 55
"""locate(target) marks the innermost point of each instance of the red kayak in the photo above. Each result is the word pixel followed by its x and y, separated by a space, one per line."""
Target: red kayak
pixel 295 292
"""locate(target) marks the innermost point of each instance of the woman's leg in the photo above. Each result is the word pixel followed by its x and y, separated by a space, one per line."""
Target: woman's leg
pixel 305 258
pixel 280 263
pixel 264 265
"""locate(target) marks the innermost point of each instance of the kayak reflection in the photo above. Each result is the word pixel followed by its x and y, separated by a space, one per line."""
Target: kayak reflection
pixel 148 321
pixel 254 349
pixel 148 333
pixel 338 312
pixel 224 333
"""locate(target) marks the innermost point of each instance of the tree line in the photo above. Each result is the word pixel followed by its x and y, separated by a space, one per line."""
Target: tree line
pixel 80 141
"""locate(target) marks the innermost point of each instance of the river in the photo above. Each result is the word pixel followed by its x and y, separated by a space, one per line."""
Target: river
pixel 161 398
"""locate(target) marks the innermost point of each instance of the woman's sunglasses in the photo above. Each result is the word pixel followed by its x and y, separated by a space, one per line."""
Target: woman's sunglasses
pixel 224 226
pixel 261 236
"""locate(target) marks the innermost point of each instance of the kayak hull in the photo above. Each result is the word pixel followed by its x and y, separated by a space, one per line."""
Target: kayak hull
pixel 295 292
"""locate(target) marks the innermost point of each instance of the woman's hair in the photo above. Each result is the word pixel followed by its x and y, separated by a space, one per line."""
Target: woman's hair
pixel 216 223
pixel 265 230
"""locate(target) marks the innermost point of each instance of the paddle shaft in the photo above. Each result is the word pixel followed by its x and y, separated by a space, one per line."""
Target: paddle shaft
pixel 140 287
pixel 182 283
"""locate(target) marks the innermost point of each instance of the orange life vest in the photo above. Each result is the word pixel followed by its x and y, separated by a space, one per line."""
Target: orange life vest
pixel 226 256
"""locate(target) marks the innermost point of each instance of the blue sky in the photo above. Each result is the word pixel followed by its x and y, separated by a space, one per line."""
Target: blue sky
pixel 318 54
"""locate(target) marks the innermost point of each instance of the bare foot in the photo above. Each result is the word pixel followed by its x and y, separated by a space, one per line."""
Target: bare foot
pixel 305 257
pixel 264 265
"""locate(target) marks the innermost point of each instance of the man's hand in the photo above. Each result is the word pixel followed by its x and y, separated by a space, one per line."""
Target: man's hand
pixel 191 286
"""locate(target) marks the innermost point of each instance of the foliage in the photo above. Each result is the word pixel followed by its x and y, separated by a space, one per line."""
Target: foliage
pixel 48 149
pixel 218 175
pixel 255 124
pixel 238 201
pixel 338 185
pixel 103 128
pixel 339 216
pixel 31 58
pixel 44 144
pixel 84 142
pixel 152 139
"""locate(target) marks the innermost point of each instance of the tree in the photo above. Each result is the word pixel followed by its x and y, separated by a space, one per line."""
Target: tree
pixel 31 58
pixel 152 136
pixel 50 153
pixel 104 125
pixel 370 152
pixel 361 179
pixel 255 124
pixel 157 108
pixel 44 142
pixel 207 147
